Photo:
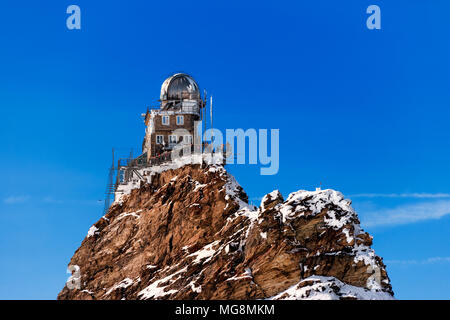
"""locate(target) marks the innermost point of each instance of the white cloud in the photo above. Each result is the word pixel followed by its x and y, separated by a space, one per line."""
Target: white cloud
pixel 50 199
pixel 16 199
pixel 424 261
pixel 401 195
pixel 407 213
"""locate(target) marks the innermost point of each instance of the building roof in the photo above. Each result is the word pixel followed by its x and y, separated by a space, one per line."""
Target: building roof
pixel 178 87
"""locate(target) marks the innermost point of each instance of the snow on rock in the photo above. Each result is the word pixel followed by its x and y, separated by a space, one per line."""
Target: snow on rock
pixel 125 189
pixel 205 253
pixel 198 229
pixel 340 216
pixel 194 288
pixel 92 231
pixel 233 189
pixel 198 186
pixel 129 214
pixel 314 202
pixel 246 275
pixel 151 267
pixel 157 289
pixel 328 288
pixel 347 235
pixel 125 283
pixel 270 197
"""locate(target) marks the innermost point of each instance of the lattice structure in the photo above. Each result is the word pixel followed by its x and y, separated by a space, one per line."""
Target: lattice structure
pixel 110 186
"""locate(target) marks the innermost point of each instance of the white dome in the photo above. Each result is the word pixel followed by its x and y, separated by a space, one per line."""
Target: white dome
pixel 178 87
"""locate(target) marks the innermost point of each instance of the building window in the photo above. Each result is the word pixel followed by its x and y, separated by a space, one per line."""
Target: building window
pixel 180 120
pixel 159 139
pixel 172 139
pixel 165 120
pixel 187 139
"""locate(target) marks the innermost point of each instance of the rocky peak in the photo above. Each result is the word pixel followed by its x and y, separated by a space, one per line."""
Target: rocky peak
pixel 189 233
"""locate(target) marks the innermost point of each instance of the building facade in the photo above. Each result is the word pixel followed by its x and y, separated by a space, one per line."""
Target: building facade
pixel 173 122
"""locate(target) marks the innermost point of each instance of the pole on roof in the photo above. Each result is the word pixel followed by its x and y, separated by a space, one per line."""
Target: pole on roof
pixel 212 130
pixel 204 120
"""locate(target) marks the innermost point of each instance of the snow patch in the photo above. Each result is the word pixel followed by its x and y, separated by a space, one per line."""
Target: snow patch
pixel 155 291
pixel 328 288
pixel 205 253
pixel 246 275
pixel 269 197
pixel 198 186
pixel 347 235
pixel 125 283
pixel 129 214
pixel 194 288
pixel 92 231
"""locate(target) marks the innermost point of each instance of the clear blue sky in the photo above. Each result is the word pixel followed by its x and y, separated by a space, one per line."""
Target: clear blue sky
pixel 364 112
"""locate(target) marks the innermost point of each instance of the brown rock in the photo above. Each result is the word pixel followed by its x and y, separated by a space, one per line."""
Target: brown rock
pixel 190 234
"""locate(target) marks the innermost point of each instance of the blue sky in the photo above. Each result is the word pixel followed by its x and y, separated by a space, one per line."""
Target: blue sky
pixel 364 112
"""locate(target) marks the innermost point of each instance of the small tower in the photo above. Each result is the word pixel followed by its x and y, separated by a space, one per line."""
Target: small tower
pixel 180 106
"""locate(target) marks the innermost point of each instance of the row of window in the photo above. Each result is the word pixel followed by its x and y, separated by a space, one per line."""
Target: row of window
pixel 174 139
pixel 166 120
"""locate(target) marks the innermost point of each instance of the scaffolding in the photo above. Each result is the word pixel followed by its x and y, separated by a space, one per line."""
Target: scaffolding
pixel 110 186
pixel 129 168
pixel 126 169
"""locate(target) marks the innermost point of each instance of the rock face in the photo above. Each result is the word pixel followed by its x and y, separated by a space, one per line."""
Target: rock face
pixel 190 234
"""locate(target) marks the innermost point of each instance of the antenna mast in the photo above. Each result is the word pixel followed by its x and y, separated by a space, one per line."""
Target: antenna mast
pixel 204 116
pixel 212 130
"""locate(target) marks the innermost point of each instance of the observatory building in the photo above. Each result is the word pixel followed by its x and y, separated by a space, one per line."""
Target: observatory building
pixel 173 121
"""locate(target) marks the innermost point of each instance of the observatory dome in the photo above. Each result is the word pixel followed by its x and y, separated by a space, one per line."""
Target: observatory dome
pixel 178 87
